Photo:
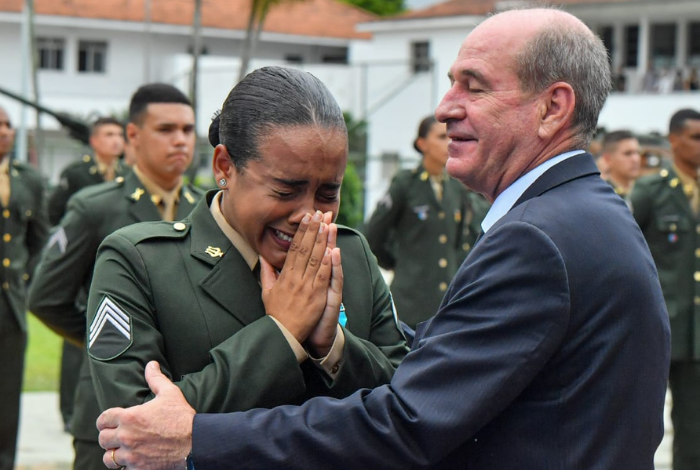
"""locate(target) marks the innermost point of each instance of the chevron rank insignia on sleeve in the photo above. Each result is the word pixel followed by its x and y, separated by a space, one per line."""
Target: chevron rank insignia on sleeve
pixel 110 333
pixel 59 239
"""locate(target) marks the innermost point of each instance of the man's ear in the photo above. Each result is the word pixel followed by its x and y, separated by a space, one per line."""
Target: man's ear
pixel 222 165
pixel 556 109
pixel 132 133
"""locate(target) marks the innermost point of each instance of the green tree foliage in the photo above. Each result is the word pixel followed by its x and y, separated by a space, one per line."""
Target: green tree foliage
pixel 351 212
pixel 379 7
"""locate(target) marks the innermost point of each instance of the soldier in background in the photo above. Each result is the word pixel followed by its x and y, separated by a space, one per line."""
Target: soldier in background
pixel 107 142
pixel 24 227
pixel 161 130
pixel 622 154
pixel 667 209
pixel 424 227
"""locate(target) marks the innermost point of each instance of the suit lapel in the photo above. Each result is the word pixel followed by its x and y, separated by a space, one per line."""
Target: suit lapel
pixel 572 168
pixel 230 282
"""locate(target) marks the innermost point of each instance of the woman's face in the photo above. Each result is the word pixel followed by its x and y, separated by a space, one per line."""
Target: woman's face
pixel 434 144
pixel 299 171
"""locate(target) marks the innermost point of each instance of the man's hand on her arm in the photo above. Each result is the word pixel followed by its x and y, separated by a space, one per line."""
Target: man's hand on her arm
pixel 154 436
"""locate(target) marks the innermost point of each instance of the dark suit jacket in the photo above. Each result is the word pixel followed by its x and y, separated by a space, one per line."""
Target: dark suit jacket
pixel 550 351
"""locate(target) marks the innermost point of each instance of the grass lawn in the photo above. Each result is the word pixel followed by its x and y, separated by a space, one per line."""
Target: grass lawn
pixel 43 360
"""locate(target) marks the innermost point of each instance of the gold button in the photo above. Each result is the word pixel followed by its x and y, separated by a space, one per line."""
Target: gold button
pixel 28 213
pixel 697 252
pixel 697 276
pixel 466 247
pixel 443 286
pixel 119 179
pixel 6 262
pixel 6 215
pixel 443 239
pixel 443 263
pixel 25 276
pixel 674 182
pixel 664 173
pixel 179 226
pixel 7 237
pixel 696 299
pixel 86 158
pixel 441 215
pixel 5 285
pixel 697 229
pixel 673 227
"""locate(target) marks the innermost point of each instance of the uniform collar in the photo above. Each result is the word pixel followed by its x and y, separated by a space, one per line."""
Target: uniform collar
pixel 239 243
pixel 157 193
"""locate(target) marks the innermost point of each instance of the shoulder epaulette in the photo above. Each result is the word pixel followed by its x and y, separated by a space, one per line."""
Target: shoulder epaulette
pixel 158 229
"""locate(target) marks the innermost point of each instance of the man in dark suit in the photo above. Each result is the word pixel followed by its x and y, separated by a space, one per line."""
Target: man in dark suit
pixel 107 142
pixel 161 128
pixel 546 353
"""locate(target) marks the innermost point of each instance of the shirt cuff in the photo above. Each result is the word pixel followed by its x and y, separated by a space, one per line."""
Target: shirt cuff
pixel 334 359
pixel 296 346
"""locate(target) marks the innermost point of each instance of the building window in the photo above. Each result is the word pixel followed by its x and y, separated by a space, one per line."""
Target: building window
pixel 420 57
pixel 50 53
pixel 663 45
pixel 92 56
pixel 694 44
pixel 606 35
pixel 631 45
pixel 294 59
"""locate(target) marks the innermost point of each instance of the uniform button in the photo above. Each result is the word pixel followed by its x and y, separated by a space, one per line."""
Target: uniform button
pixel 443 286
pixel 443 263
pixel 25 276
pixel 697 276
pixel 673 227
pixel 28 213
pixel 443 239
pixel 696 300
pixel 5 285
pixel 179 226
pixel 441 215
pixel 7 237
pixel 697 252
pixel 6 263
pixel 119 179
pixel 466 247
pixel 6 215
pixel 697 229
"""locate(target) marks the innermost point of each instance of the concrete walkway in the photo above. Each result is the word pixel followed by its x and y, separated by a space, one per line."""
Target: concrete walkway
pixel 44 446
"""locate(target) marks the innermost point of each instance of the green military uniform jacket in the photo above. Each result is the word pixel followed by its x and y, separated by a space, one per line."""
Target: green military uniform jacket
pixel 423 240
pixel 672 232
pixel 181 294
pixel 24 228
pixel 74 177
pixel 68 261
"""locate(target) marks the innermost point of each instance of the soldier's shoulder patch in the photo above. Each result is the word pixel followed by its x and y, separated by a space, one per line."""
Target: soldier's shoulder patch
pixel 110 334
pixel 59 240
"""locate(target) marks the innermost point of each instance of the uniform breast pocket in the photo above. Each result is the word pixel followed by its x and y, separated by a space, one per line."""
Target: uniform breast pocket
pixel 673 227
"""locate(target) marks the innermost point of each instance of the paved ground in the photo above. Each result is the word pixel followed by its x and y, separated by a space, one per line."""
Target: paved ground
pixel 44 446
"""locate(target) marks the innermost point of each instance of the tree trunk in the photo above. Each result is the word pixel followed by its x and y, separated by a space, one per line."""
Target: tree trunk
pixel 247 52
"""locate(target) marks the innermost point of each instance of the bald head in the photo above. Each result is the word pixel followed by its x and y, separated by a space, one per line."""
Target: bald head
pixel 549 46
